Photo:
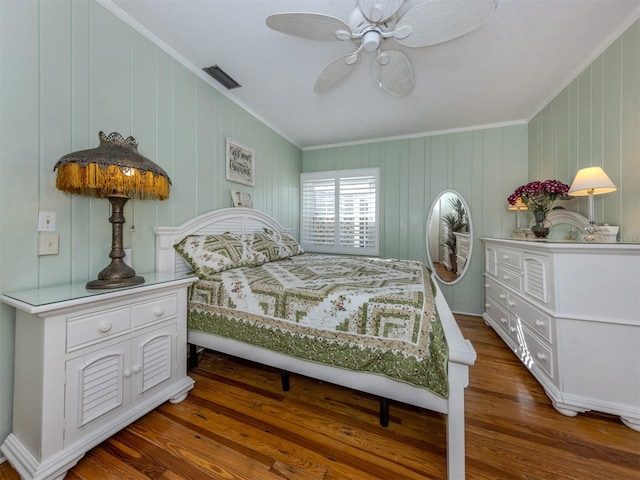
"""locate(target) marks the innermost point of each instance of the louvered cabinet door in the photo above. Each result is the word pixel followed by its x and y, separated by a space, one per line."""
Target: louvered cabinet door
pixel 153 360
pixel 97 387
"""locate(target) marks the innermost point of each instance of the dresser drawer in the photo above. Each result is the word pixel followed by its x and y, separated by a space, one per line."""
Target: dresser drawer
pixel 509 277
pixel 535 352
pixel 497 291
pixel 538 321
pixel 509 257
pixel 154 310
pixel 496 311
pixel 84 330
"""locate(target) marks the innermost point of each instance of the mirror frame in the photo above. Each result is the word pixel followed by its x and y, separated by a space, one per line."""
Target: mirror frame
pixel 430 219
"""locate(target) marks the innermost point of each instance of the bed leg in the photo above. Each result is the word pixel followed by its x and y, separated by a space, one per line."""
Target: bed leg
pixel 384 411
pixel 284 376
pixel 193 356
pixel 459 379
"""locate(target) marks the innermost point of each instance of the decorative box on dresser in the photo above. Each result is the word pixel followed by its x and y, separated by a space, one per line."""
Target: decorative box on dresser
pixel 88 363
pixel 571 312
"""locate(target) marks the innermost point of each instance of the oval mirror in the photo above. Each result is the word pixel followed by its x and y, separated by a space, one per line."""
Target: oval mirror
pixel 449 237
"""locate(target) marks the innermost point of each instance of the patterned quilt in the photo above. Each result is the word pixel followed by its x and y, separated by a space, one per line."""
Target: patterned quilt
pixel 363 314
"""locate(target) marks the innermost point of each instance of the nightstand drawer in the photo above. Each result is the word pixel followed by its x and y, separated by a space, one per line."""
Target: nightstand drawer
pixel 96 327
pixel 154 310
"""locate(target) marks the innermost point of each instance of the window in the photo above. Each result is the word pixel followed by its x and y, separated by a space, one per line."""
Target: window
pixel 339 211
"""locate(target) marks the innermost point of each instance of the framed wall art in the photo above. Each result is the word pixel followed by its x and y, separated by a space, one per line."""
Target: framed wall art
pixel 240 163
pixel 241 199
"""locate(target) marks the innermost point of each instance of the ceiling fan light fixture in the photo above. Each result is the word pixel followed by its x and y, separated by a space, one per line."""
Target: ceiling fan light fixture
pixel 371 40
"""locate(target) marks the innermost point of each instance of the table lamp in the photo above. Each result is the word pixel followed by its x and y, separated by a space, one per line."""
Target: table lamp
pixel 117 171
pixel 519 205
pixel 591 181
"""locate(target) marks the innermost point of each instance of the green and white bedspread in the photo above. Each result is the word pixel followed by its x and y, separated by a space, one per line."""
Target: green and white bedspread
pixel 357 313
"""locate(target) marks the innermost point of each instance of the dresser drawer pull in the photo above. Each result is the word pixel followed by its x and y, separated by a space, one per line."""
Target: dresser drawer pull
pixel 541 356
pixel 513 329
pixel 505 257
pixel 137 369
pixel 158 311
pixel 487 305
pixel 127 373
pixel 503 296
pixel 104 327
pixel 503 320
pixel 512 303
pixel 506 277
pixel 486 285
pixel 539 323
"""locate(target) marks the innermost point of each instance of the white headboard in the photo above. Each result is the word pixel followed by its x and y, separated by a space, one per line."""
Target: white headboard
pixel 233 220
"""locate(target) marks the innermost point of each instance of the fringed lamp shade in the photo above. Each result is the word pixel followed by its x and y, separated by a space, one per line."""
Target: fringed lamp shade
pixel 117 171
pixel 114 166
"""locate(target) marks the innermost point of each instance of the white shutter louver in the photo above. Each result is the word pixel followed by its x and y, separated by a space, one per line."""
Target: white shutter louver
pixel 339 212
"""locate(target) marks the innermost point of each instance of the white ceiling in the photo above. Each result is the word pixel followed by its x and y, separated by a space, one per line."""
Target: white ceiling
pixel 502 73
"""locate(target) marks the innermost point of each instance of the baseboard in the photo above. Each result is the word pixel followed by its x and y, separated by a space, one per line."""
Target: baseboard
pixel 2 459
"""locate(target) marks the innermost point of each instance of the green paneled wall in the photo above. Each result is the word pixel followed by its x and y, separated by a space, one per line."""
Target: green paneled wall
pixel 483 165
pixel 595 120
pixel 70 68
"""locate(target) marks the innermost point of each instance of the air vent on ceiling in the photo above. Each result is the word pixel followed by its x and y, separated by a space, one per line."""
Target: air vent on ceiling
pixel 221 76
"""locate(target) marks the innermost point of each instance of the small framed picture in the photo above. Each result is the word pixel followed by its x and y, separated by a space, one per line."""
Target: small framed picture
pixel 241 199
pixel 240 163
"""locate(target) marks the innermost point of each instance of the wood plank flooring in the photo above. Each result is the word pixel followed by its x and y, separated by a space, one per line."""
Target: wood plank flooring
pixel 238 424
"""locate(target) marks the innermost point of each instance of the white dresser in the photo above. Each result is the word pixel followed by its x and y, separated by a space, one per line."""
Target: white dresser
pixel 571 312
pixel 88 363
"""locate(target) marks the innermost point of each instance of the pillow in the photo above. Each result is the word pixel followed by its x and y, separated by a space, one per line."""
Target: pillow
pixel 210 254
pixel 276 246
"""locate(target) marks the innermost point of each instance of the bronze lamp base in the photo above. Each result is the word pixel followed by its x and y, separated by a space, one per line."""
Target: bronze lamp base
pixel 117 274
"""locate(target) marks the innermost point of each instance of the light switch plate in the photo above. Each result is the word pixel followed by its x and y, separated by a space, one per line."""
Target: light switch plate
pixel 48 244
pixel 47 222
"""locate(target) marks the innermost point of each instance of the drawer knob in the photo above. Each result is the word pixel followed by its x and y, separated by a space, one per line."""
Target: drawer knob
pixel 539 323
pixel 487 305
pixel 506 257
pixel 512 303
pixel 513 329
pixel 541 356
pixel 104 327
pixel 486 285
pixel 506 277
pixel 503 296
pixel 503 320
pixel 137 369
pixel 158 311
pixel 127 373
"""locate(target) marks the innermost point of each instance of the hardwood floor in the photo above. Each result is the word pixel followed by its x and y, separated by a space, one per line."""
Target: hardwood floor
pixel 238 424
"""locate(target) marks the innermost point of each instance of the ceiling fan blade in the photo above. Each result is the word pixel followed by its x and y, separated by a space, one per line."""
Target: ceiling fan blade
pixel 379 10
pixel 335 72
pixel 314 26
pixel 393 71
pixel 436 21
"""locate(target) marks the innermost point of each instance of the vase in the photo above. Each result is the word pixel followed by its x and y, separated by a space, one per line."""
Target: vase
pixel 539 229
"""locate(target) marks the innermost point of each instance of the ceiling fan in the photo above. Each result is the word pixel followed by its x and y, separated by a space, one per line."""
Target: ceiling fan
pixel 372 23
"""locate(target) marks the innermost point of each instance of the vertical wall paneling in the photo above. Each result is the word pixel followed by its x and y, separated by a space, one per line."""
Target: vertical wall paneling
pixel 595 121
pixel 629 180
pixel 81 135
pixel 484 166
pixel 69 69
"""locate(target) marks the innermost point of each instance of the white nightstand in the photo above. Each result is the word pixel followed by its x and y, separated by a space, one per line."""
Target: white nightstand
pixel 88 363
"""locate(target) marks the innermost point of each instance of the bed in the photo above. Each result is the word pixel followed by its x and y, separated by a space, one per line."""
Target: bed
pixel 327 356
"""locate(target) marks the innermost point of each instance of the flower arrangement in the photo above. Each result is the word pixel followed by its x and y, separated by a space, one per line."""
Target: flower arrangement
pixel 539 196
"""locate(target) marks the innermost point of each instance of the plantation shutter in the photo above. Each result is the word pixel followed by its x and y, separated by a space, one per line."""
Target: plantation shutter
pixel 339 211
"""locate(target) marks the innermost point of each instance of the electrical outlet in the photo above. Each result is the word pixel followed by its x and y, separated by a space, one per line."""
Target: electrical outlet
pixel 47 222
pixel 48 244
